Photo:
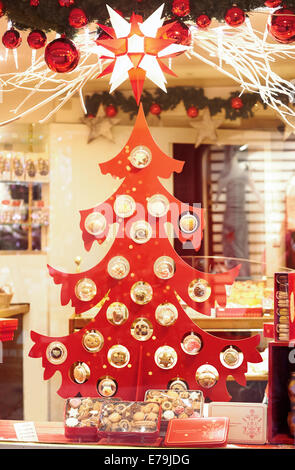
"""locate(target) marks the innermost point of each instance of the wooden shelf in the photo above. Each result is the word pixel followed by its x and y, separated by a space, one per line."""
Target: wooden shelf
pixel 14 309
pixel 233 323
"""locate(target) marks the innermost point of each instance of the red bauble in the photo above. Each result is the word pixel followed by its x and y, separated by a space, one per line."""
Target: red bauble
pixel 179 32
pixel 234 17
pixel 11 39
pixel 111 111
pixel 192 112
pixel 282 26
pixel 155 109
pixel 36 39
pixel 34 3
pixel 66 3
pixel 77 18
pixel 2 9
pixel 61 55
pixel 180 7
pixel 203 21
pixel 236 103
pixel 272 3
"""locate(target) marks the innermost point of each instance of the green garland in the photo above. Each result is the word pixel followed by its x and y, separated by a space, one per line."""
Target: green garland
pixel 189 96
pixel 50 16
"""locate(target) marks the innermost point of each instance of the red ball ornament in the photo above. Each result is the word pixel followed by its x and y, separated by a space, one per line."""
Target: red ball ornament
pixel 203 21
pixel 181 7
pixel 66 3
pixel 77 18
pixel 234 17
pixel 2 9
pixel 236 103
pixel 34 3
pixel 11 39
pixel 179 32
pixel 111 111
pixel 192 112
pixel 282 25
pixel 37 39
pixel 272 3
pixel 61 55
pixel 155 109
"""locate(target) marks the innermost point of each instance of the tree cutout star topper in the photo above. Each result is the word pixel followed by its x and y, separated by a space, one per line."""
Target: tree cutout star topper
pixel 99 125
pixel 206 128
pixel 136 50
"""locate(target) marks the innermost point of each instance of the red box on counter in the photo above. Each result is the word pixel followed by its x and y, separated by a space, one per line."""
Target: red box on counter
pixel 284 307
pixel 7 328
pixel 198 432
pixel 281 364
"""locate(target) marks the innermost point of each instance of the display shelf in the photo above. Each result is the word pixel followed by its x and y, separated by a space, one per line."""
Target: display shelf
pixel 14 309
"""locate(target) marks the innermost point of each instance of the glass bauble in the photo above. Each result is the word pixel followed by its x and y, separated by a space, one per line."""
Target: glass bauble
pixel 37 39
pixel 117 313
pixel 141 292
pixel 164 267
pixel 11 39
pixel 85 290
pixel 95 223
pixel 199 290
pixel 107 387
pixel 56 352
pixel 61 55
pixel 93 341
pixel 158 205
pixel 166 314
pixel 165 357
pixel 140 157
pixel 118 267
pixel 207 376
pixel 118 356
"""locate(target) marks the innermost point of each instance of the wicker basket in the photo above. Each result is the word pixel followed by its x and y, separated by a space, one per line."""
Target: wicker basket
pixel 5 300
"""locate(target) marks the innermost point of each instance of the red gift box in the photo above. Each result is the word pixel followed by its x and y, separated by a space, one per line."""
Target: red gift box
pixel 198 432
pixel 281 364
pixel 7 328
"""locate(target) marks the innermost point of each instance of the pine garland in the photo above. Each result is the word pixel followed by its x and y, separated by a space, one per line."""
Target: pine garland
pixel 50 16
pixel 189 96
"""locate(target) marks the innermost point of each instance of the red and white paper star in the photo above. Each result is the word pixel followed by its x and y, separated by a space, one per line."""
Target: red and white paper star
pixel 136 50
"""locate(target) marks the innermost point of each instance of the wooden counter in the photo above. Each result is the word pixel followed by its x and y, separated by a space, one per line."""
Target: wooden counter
pixel 51 436
pixel 14 309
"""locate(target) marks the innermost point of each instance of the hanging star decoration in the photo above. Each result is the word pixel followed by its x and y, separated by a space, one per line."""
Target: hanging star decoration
pixel 99 125
pixel 136 50
pixel 289 128
pixel 206 128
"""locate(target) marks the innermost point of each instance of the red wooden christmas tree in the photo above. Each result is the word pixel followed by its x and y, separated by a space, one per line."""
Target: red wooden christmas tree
pixel 141 338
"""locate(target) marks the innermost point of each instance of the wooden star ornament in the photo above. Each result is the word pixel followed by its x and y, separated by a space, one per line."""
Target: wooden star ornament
pixel 206 128
pixel 99 125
